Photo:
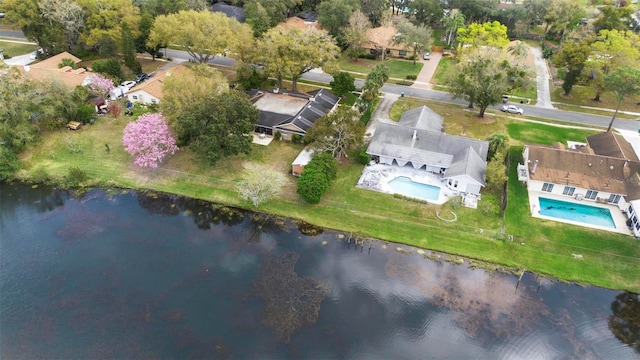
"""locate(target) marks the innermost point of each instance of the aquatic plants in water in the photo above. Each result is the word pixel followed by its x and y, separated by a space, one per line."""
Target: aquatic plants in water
pixel 290 301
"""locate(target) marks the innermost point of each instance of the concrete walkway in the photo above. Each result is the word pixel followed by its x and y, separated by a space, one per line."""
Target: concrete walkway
pixel 380 115
pixel 542 75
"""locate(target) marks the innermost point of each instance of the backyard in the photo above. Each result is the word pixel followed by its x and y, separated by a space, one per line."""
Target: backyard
pixel 610 262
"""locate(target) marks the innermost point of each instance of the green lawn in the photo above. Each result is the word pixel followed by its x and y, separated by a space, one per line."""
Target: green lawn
pixel 525 132
pixel 13 49
pixel 398 69
pixel 583 95
pixel 610 260
pixel 444 66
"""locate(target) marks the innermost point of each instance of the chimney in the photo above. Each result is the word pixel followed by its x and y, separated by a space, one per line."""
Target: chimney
pixel 535 166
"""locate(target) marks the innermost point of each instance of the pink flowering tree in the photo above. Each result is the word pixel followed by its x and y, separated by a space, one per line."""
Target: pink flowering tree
pixel 100 85
pixel 149 140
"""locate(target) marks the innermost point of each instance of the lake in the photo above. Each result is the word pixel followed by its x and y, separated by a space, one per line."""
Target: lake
pixel 121 274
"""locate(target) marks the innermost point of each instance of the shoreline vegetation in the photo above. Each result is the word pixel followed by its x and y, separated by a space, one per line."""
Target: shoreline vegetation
pixel 513 242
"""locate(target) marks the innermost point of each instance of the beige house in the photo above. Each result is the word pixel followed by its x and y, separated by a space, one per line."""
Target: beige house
pixel 48 70
pixel 150 91
pixel 380 41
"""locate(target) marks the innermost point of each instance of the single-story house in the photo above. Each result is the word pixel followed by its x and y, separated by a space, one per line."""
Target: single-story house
pixel 291 113
pixel 49 69
pixel 297 166
pixel 380 40
pixel 231 11
pixel 303 20
pixel 417 140
pixel 150 91
pixel 606 171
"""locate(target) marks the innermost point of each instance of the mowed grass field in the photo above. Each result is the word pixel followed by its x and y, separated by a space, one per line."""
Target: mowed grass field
pixel 610 260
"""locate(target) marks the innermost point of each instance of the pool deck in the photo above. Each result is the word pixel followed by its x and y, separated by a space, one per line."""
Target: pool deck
pixel 376 177
pixel 619 218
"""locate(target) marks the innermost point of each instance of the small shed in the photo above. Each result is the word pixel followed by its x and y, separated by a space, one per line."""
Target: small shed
pixel 301 160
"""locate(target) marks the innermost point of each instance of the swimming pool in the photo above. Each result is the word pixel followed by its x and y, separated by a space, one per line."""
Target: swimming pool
pixel 405 186
pixel 576 212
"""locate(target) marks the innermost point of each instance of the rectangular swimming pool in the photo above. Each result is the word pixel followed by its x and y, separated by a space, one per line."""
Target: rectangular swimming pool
pixel 405 186
pixel 586 214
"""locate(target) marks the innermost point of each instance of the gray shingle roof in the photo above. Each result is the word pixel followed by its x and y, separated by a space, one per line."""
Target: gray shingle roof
pixel 422 118
pixel 229 10
pixel 467 162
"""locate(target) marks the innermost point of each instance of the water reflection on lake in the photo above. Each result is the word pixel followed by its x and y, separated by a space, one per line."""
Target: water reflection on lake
pixel 157 276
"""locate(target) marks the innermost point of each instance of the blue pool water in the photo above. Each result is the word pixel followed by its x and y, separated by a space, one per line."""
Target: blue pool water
pixel 404 186
pixel 576 212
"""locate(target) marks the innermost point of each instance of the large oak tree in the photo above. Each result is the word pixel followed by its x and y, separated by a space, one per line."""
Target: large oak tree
pixel 202 34
pixel 337 132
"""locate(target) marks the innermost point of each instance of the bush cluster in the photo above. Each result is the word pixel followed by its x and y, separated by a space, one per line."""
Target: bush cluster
pixel 317 177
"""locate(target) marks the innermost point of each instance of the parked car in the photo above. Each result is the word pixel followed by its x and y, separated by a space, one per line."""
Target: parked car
pixel 512 109
pixel 141 77
pixel 426 56
pixel 128 84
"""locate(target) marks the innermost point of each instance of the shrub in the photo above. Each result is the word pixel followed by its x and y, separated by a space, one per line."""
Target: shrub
pixel 368 56
pixel 317 177
pixel 109 67
pixel 277 135
pixel 342 84
pixel 9 163
pixel 297 138
pixel 75 177
pixel 412 77
pixel 67 62
pixel 362 157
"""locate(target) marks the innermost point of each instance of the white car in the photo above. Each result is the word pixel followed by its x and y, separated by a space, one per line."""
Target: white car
pixel 512 109
pixel 128 84
pixel 426 56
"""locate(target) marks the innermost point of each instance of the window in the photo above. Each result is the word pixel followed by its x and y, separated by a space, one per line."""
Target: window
pixel 134 97
pixel 547 187
pixel 568 190
pixel 591 194
pixel 154 101
pixel 614 198
pixel 402 53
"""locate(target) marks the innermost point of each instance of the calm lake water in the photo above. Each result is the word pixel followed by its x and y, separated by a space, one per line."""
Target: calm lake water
pixel 143 277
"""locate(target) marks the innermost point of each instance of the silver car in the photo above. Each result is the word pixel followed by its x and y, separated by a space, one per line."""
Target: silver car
pixel 512 109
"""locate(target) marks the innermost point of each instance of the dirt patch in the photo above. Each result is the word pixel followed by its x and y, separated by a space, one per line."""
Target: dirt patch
pixel 361 63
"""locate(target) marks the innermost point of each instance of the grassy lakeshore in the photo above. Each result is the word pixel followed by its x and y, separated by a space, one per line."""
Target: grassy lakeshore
pixel 610 260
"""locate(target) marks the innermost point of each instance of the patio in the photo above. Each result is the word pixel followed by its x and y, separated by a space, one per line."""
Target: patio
pixel 376 177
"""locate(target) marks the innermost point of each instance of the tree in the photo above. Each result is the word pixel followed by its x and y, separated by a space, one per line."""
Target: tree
pixel 275 11
pixel 337 132
pixel 475 10
pixel 202 34
pixel 496 173
pixel 563 15
pixel 28 15
pixel 498 143
pixel 128 48
pixel 333 15
pixel 257 17
pixel 218 127
pixel 511 17
pixel 355 34
pixel 374 10
pixel 148 140
pixel 372 84
pixel 109 67
pixel 146 23
pixel 289 51
pixel 426 12
pixel 623 81
pixel 611 49
pixel 490 34
pixel 316 177
pixel 484 80
pixel 260 183
pixel 104 20
pixel 572 56
pixel 183 93
pixel 453 21
pixel 625 320
pixel 342 84
pixel 536 11
pixel 68 14
pixel 611 18
pixel 415 38
pixel 100 85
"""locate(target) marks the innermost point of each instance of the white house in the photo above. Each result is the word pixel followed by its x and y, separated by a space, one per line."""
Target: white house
pixel 586 175
pixel 417 140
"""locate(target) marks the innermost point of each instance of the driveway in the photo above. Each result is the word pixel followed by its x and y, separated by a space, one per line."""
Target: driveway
pixel 428 69
pixel 542 75
pixel 381 114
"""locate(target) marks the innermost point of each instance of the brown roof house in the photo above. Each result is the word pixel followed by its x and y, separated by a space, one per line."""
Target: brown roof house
pixel 48 70
pixel 303 20
pixel 380 41
pixel 606 171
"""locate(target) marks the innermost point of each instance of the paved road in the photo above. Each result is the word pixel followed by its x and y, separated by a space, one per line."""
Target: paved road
pixel 12 34
pixel 542 75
